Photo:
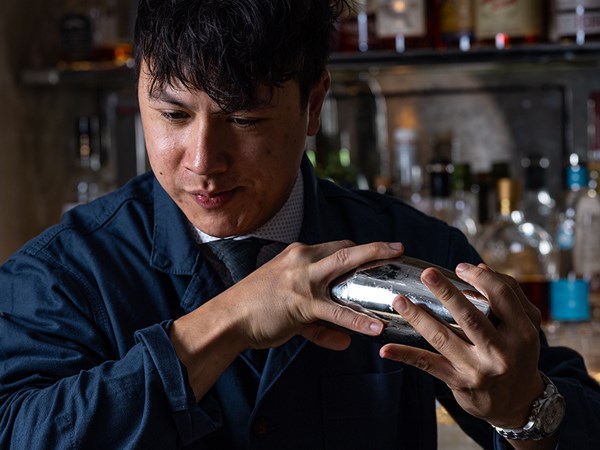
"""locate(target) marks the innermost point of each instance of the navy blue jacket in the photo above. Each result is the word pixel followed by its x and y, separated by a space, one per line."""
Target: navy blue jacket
pixel 86 362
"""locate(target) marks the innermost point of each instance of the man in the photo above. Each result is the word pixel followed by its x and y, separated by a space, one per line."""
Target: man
pixel 124 327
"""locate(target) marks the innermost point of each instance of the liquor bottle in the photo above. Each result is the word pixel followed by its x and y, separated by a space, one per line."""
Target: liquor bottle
pixel 537 203
pixel 587 235
pixel 86 182
pixel 576 180
pixel 574 21
pixel 457 23
pixel 405 160
pixel 522 249
pixel 405 25
pixel 440 176
pixel 75 32
pixel 504 23
pixel 464 202
pixel 571 325
pixel 356 28
pixel 484 186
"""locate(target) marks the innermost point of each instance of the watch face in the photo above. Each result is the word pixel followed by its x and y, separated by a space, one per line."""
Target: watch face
pixel 552 415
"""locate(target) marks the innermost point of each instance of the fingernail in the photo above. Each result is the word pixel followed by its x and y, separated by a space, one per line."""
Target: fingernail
pixel 431 277
pixel 462 267
pixel 400 304
pixel 376 327
pixel 396 245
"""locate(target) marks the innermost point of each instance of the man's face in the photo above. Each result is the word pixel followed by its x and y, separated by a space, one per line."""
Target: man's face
pixel 228 172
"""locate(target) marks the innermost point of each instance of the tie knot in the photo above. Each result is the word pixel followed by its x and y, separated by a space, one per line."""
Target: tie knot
pixel 238 255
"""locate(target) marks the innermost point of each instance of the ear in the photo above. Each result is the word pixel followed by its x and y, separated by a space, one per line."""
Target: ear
pixel 315 103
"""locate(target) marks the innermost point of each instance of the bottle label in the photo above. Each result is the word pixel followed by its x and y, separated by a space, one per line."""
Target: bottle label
pixel 456 16
pixel 572 4
pixel 406 18
pixel 568 23
pixel 516 18
pixel 587 237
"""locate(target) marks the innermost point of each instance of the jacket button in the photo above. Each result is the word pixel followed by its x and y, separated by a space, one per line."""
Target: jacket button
pixel 260 427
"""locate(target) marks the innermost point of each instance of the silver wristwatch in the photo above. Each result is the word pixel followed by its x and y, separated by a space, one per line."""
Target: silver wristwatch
pixel 546 416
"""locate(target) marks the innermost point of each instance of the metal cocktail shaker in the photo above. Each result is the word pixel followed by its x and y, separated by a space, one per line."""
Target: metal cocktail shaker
pixel 371 288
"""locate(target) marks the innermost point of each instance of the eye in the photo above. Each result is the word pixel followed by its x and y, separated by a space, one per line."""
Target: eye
pixel 243 122
pixel 174 116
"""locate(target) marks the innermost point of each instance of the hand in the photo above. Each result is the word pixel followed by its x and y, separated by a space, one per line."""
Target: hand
pixel 287 296
pixel 290 295
pixel 493 373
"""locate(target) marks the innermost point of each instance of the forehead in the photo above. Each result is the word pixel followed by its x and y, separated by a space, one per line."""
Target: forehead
pixel 265 96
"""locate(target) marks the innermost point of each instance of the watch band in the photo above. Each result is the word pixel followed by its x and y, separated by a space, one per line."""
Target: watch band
pixel 540 427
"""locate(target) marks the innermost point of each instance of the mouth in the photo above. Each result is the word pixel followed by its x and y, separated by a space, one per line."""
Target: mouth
pixel 213 200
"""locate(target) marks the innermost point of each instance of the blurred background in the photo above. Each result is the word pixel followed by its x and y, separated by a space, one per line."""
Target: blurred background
pixel 432 101
pixel 418 80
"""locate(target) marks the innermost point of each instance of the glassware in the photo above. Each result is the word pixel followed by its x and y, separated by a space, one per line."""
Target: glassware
pixel 372 288
pixel 537 203
pixel 521 249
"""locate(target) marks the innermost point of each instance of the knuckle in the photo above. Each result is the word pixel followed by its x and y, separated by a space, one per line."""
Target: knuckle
pixel 439 339
pixel 504 290
pixel 296 248
pixel 445 292
pixel 422 363
pixel 342 256
pixel 470 320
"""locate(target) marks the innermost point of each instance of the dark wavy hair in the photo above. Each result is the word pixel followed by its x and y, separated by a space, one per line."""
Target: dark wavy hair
pixel 227 48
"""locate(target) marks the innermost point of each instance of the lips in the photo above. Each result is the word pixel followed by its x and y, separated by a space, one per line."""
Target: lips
pixel 213 200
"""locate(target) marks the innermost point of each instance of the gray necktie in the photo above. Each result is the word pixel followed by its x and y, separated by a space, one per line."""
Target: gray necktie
pixel 239 255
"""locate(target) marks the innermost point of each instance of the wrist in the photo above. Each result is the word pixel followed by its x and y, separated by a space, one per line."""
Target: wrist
pixel 545 417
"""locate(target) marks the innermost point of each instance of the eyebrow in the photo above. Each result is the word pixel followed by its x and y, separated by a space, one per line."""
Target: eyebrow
pixel 163 96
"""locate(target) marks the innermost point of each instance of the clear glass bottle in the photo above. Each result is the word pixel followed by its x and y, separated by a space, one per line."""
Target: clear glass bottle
pixel 519 248
pixel 571 325
pixel 576 181
pixel 440 177
pixel 464 202
pixel 405 159
pixel 587 234
pixel 537 203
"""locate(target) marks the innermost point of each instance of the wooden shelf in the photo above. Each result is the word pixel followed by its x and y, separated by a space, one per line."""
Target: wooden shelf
pixel 540 53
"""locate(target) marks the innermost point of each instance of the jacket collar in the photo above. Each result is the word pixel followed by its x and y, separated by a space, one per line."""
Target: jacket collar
pixel 174 250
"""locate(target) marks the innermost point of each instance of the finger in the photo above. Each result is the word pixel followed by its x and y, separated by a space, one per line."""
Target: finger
pixel 346 258
pixel 530 309
pixel 505 303
pixel 327 337
pixel 439 335
pixel 347 318
pixel 433 363
pixel 474 324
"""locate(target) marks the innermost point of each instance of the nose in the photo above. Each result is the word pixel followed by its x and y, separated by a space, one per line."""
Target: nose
pixel 205 155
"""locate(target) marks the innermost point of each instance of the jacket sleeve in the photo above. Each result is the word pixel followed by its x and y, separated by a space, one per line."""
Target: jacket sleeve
pixel 66 383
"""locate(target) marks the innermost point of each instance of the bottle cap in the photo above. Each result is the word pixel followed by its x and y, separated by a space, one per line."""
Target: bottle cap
pixel 569 300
